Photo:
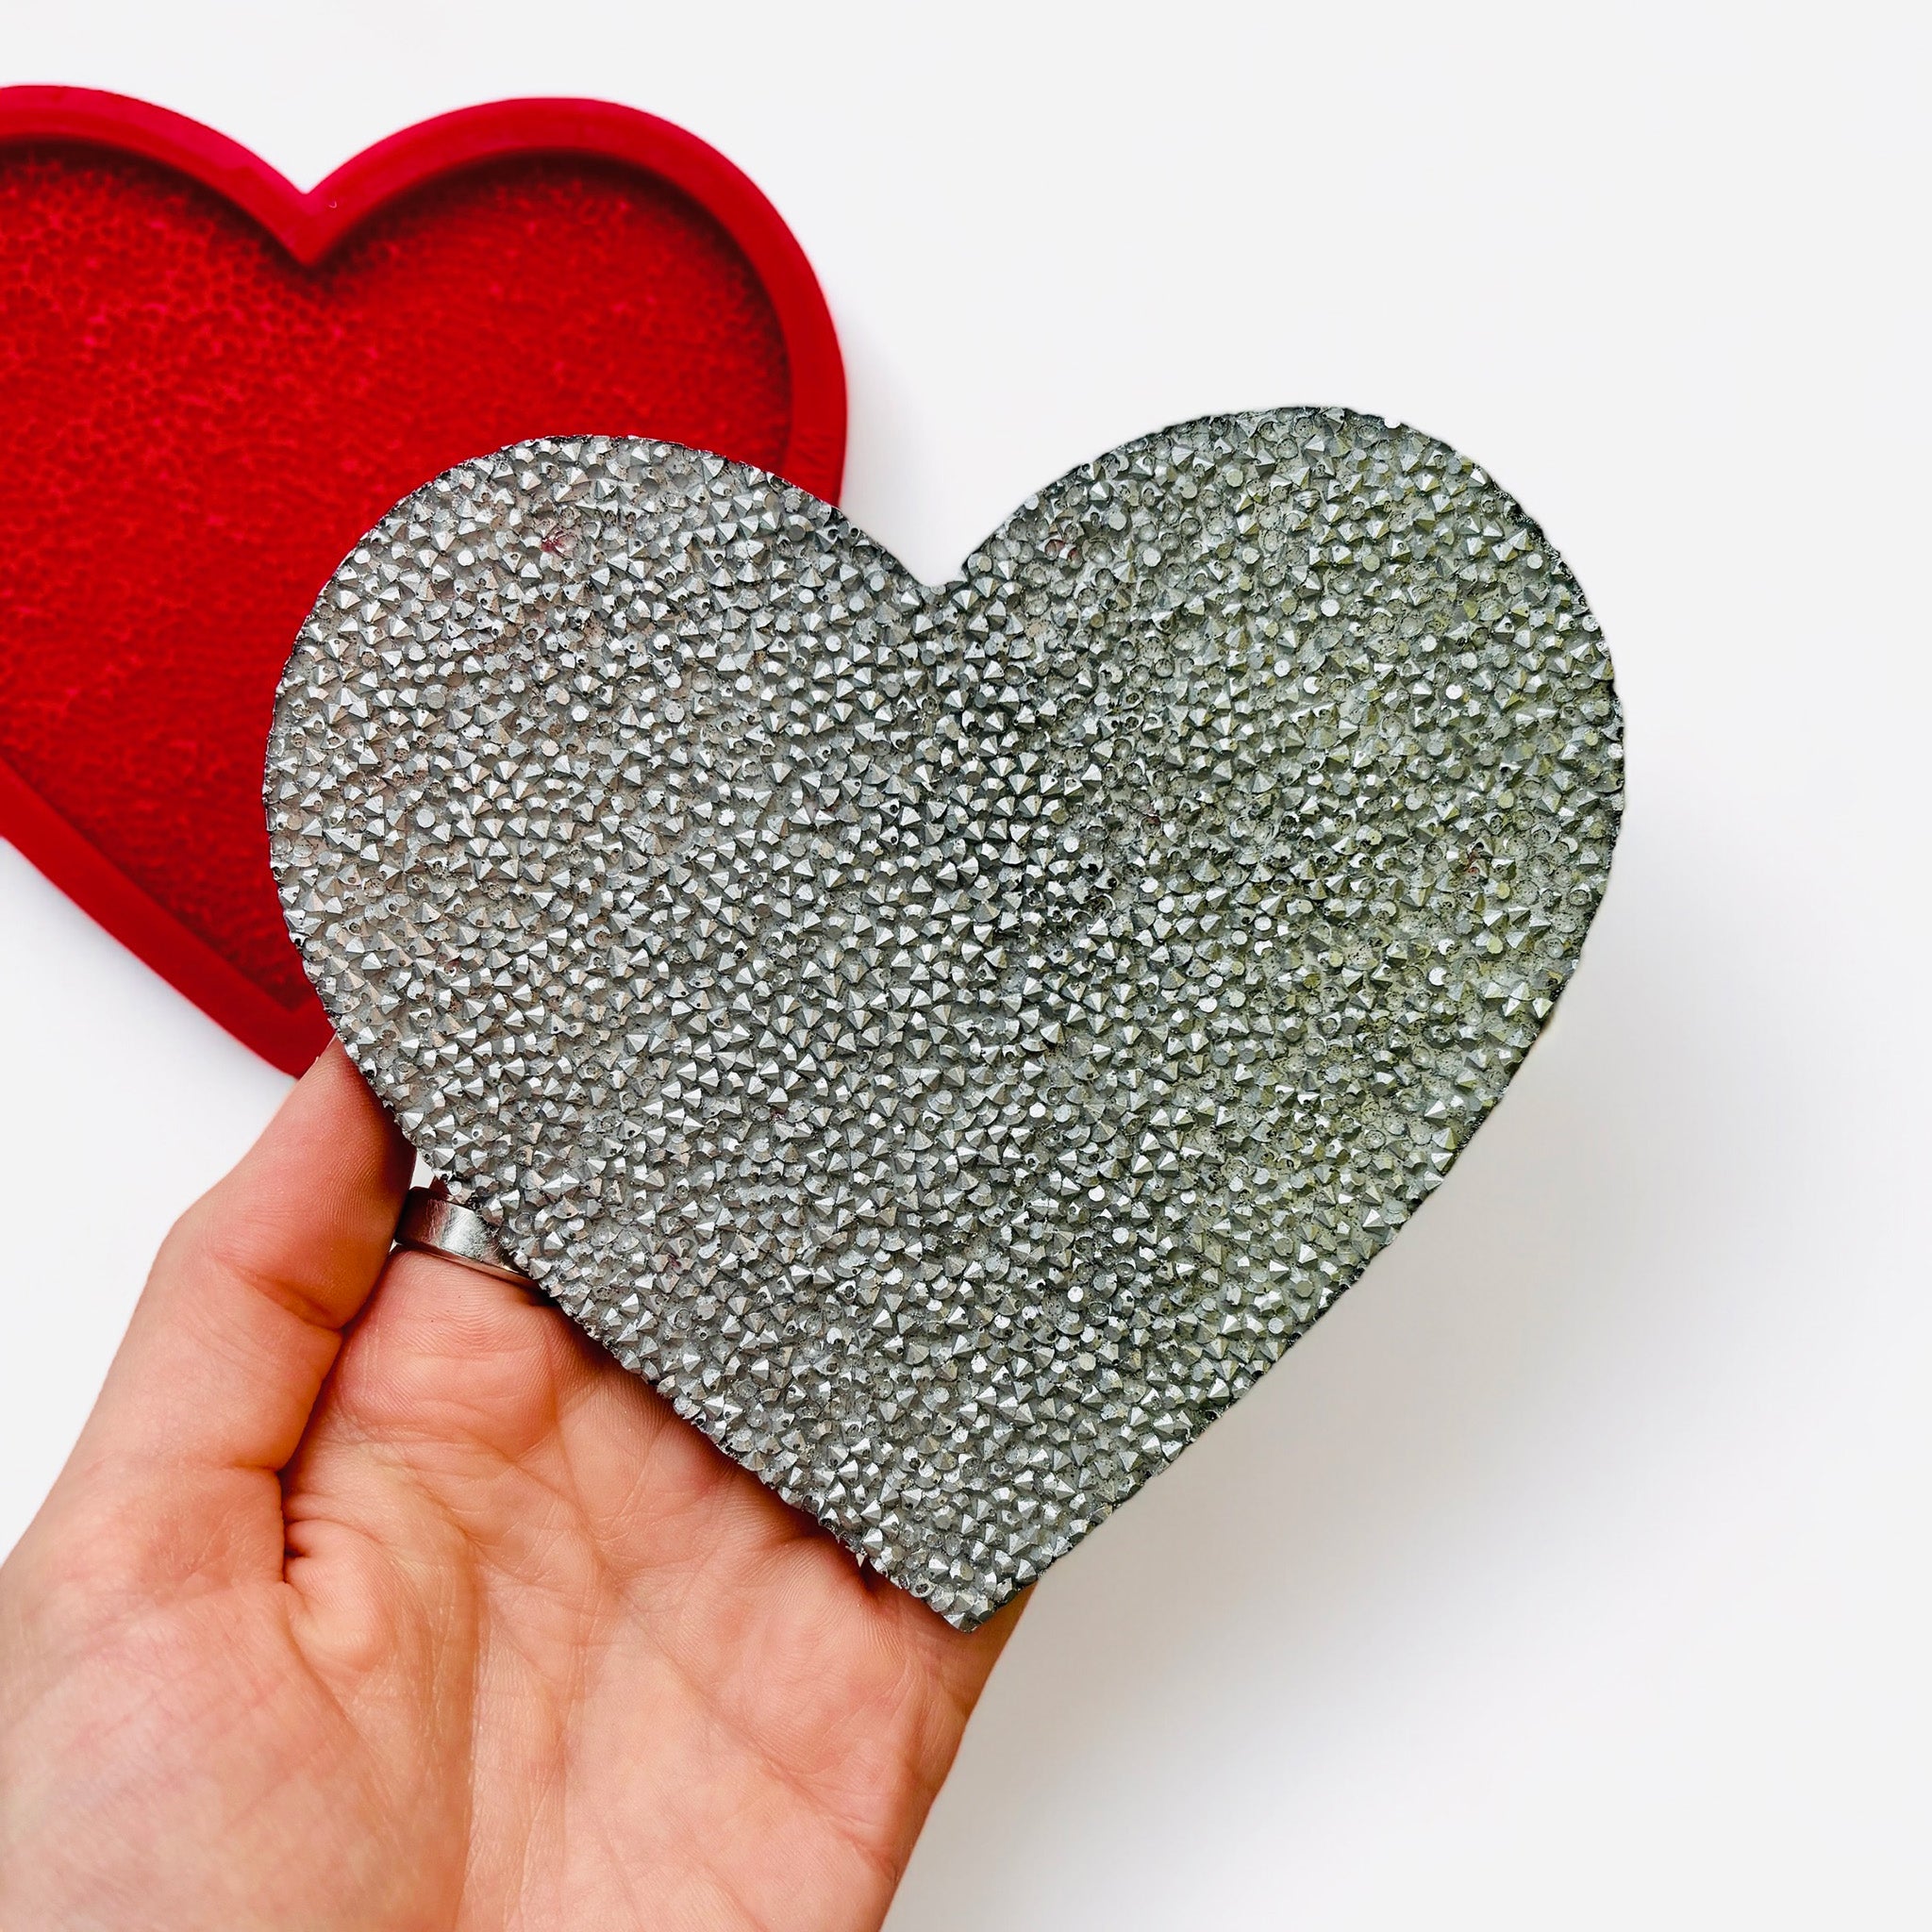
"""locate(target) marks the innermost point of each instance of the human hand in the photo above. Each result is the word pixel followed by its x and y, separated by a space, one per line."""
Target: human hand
pixel 376 1596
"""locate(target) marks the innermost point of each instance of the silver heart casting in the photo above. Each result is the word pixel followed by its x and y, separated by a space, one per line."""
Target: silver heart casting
pixel 951 1040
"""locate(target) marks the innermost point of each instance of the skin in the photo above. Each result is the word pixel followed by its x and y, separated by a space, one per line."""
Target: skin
pixel 374 1597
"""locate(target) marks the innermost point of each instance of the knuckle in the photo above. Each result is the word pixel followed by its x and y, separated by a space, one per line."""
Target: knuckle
pixel 236 1247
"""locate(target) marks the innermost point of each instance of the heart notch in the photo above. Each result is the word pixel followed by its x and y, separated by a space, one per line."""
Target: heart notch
pixel 950 1039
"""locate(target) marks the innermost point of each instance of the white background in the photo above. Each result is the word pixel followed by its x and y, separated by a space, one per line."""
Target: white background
pixel 1575 1573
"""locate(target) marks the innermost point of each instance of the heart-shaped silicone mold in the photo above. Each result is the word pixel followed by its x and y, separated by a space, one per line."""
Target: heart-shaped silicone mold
pixel 217 381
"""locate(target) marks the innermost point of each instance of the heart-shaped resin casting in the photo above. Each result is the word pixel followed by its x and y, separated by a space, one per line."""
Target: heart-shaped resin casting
pixel 951 1040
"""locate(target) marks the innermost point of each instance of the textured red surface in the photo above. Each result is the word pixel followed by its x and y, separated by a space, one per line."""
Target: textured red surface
pixel 212 385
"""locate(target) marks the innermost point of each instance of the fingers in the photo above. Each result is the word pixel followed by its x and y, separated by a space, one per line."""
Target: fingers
pixel 242 1317
pixel 448 1354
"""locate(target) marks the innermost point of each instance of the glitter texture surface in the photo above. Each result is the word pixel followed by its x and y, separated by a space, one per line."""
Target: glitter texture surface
pixel 952 1040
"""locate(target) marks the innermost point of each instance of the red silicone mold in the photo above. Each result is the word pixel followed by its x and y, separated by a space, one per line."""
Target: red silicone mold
pixel 212 383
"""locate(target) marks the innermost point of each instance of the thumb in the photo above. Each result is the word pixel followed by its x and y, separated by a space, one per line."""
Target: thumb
pixel 243 1314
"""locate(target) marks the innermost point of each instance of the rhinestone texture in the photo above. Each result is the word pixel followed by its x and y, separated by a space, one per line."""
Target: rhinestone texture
pixel 951 1040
